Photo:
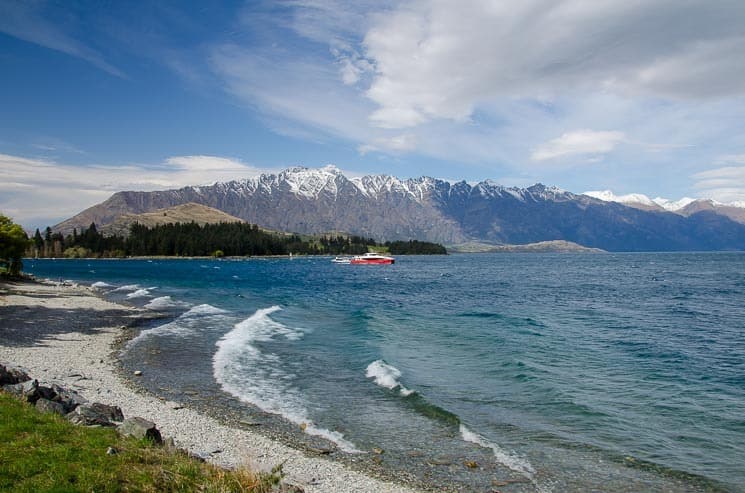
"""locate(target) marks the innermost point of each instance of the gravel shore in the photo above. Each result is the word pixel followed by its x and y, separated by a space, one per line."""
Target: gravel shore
pixel 65 334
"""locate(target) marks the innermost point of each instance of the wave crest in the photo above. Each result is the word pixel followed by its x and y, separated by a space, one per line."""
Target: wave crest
pixel 243 370
pixel 387 376
pixel 164 303
pixel 512 461
pixel 186 324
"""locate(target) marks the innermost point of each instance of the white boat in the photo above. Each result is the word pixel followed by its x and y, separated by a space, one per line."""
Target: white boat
pixel 342 260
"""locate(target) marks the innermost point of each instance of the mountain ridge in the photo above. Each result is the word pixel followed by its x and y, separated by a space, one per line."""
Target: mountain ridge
pixel 685 206
pixel 182 213
pixel 384 207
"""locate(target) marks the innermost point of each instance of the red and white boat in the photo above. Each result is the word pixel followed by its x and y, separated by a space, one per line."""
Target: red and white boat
pixel 372 258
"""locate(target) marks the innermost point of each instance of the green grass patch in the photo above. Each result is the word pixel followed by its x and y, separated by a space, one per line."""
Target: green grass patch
pixel 44 453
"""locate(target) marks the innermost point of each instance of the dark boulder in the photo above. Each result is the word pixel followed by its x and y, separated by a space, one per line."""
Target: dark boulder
pixel 68 398
pixel 95 414
pixel 11 376
pixel 140 428
pixel 47 406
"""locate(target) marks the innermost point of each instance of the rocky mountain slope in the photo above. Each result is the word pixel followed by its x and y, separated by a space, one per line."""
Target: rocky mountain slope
pixel 387 208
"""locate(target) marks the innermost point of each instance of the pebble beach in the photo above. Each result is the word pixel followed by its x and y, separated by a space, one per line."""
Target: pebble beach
pixel 65 334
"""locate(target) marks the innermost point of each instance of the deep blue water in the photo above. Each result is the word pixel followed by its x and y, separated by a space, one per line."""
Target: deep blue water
pixel 615 372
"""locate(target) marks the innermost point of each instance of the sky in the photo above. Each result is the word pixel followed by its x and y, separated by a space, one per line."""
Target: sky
pixel 633 96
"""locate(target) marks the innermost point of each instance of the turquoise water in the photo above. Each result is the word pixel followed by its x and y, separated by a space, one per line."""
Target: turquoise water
pixel 617 372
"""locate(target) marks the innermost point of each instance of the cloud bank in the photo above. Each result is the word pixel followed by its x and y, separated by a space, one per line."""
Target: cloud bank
pixel 36 190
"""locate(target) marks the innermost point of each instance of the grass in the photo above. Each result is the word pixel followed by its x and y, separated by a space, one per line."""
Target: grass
pixel 44 453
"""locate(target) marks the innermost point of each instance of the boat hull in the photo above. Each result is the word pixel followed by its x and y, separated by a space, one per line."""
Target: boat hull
pixel 372 261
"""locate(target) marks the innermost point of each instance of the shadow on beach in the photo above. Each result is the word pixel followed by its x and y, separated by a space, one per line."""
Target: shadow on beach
pixel 29 323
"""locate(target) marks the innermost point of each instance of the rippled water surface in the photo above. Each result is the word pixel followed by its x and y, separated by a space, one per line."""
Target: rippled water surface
pixel 616 372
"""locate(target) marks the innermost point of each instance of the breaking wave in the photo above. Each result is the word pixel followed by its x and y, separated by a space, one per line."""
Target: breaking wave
pixel 101 285
pixel 259 378
pixel 165 303
pixel 187 323
pixel 128 287
pixel 512 461
pixel 140 293
pixel 387 376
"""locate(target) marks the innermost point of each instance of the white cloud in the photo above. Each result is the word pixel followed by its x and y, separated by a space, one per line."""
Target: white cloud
pixel 306 91
pixel 725 184
pixel 441 59
pixel 578 142
pixel 396 143
pixel 38 193
pixel 494 83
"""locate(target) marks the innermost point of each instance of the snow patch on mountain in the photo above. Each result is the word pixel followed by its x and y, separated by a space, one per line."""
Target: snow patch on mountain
pixel 674 205
pixel 666 204
pixel 631 198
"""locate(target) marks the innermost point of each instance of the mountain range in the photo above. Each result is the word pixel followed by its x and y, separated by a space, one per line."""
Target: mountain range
pixel 323 200
pixel 685 206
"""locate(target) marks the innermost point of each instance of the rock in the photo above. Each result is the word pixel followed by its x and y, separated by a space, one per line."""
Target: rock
pixel 378 451
pixel 5 377
pixel 27 391
pixel 140 428
pixel 47 406
pixel 169 443
pixel 47 393
pixel 320 451
pixel 471 464
pixel 95 414
pixel 113 413
pixel 200 456
pixel 68 398
pixel 111 451
pixel 11 376
pixel 138 373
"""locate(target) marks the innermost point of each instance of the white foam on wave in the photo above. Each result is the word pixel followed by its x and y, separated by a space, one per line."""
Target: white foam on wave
pixel 259 378
pixel 186 324
pixel 505 458
pixel 101 285
pixel 386 376
pixel 204 309
pixel 165 303
pixel 140 293
pixel 128 287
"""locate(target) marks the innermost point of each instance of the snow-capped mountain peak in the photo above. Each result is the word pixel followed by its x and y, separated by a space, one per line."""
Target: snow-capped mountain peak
pixel 309 183
pixel 673 205
pixel 677 206
pixel 631 198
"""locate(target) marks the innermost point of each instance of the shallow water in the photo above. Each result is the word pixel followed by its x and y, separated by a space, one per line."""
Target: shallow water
pixel 617 372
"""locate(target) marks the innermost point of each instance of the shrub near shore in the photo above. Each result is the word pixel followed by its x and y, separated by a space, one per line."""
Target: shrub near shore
pixel 44 452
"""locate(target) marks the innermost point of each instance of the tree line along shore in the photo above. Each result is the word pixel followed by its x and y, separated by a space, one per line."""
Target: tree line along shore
pixel 187 240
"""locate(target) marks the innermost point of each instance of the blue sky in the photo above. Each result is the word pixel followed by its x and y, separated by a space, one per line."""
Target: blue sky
pixel 95 97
